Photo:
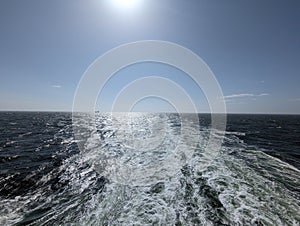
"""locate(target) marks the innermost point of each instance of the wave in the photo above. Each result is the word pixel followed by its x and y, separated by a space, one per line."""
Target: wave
pixel 122 181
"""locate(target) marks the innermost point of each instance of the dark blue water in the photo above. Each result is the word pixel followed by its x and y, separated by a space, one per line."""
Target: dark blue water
pixel 46 180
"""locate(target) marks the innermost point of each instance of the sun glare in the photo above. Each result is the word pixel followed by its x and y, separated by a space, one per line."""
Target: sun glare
pixel 126 4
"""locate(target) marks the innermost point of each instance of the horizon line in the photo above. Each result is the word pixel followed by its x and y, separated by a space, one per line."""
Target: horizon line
pixel 171 112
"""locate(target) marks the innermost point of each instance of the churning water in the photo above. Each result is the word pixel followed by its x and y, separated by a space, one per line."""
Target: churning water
pixel 139 169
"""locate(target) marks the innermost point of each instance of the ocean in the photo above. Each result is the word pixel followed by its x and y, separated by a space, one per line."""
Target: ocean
pixel 140 169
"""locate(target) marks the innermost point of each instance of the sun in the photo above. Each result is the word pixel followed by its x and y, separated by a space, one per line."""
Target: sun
pixel 126 4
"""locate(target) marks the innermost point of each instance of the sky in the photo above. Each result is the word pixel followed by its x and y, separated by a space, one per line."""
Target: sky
pixel 252 47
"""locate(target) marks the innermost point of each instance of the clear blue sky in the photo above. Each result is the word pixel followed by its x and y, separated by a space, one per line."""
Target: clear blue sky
pixel 253 48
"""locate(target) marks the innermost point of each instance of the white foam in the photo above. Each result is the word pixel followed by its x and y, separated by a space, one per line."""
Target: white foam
pixel 239 187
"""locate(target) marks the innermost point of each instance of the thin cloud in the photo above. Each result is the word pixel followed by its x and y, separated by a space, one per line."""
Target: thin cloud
pixel 56 86
pixel 240 95
pixel 296 100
